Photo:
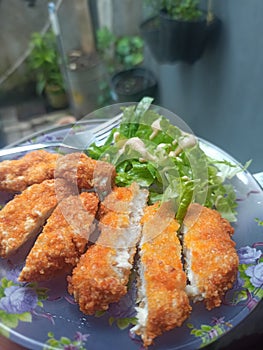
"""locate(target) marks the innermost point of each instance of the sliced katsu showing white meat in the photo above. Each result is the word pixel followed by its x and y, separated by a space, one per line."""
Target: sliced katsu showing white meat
pixel 33 168
pixel 22 218
pixel 211 260
pixel 102 274
pixel 63 239
pixel 86 173
pixel 163 302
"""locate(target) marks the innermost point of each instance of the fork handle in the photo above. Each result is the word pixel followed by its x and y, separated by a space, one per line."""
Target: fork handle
pixel 34 146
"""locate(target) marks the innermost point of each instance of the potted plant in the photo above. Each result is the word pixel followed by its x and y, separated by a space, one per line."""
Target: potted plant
pixel 130 81
pixel 43 62
pixel 181 28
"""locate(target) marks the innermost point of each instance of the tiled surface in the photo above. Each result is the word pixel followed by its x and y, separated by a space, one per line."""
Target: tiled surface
pixel 13 129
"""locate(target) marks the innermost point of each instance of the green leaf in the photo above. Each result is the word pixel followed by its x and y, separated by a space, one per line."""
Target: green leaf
pixel 111 320
pixel 25 317
pixel 206 328
pixel 123 323
pixel 99 313
pixel 260 222
pixel 9 320
pixel 197 332
pixel 5 333
pixel 131 117
pixel 65 341
pixel 141 173
pixel 225 202
pixel 190 325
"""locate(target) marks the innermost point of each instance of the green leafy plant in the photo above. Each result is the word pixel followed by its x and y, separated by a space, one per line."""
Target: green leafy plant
pixel 119 52
pixel 129 51
pixel 43 62
pixel 105 44
pixel 187 10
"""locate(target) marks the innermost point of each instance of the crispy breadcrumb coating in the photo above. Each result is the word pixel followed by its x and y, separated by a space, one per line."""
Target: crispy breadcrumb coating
pixel 63 239
pixel 102 274
pixel 34 167
pixel 23 216
pixel 163 301
pixel 86 172
pixel 210 254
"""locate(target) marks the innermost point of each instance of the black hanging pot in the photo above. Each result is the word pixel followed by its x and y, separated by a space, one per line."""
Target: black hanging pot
pixel 133 84
pixel 172 40
pixel 185 40
pixel 150 31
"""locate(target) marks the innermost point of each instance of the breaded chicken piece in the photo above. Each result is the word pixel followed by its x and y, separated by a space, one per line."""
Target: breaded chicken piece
pixel 34 167
pixel 102 274
pixel 86 172
pixel 210 255
pixel 22 218
pixel 163 302
pixel 63 239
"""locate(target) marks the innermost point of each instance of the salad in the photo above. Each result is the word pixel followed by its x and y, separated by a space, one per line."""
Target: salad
pixel 148 149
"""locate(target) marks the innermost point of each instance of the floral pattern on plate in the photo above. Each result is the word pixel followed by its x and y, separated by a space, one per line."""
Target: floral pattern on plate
pixel 18 301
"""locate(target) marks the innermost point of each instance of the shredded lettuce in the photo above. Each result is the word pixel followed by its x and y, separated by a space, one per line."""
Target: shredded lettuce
pixel 148 149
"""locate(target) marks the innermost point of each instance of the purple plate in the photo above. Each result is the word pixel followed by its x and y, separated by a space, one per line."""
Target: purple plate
pixel 44 315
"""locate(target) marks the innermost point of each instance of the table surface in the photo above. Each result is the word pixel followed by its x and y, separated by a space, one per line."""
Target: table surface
pixel 6 344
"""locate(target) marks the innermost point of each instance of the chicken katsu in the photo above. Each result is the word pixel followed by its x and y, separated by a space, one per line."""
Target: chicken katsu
pixel 37 166
pixel 86 173
pixel 163 302
pixel 33 168
pixel 63 239
pixel 102 274
pixel 199 263
pixel 22 218
pixel 210 255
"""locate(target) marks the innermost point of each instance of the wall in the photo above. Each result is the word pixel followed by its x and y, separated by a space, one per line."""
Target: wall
pixel 121 17
pixel 221 95
pixel 17 22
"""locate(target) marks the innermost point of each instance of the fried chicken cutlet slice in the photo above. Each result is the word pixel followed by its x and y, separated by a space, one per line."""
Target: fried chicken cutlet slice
pixel 34 167
pixel 102 274
pixel 22 218
pixel 163 302
pixel 210 255
pixel 63 239
pixel 86 172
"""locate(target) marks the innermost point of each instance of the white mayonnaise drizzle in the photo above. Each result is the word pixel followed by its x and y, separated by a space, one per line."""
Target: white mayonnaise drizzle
pixel 137 145
pixel 156 127
pixel 116 136
pixel 185 141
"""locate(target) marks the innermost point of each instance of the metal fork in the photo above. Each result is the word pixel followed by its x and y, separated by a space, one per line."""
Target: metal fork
pixel 74 142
